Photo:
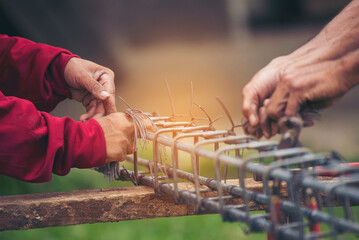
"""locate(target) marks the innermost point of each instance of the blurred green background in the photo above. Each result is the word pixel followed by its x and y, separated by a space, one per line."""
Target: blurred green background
pixel 217 44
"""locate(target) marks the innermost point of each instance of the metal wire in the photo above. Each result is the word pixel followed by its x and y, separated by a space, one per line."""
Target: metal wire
pixel 296 182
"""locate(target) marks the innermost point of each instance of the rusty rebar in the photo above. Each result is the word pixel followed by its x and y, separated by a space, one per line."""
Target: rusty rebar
pixel 276 164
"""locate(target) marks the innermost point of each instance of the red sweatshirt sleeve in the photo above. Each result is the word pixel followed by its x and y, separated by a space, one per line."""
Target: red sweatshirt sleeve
pixel 33 71
pixel 34 144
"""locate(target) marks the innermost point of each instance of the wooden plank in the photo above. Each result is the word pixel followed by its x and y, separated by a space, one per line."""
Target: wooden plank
pixel 91 206
pixel 85 206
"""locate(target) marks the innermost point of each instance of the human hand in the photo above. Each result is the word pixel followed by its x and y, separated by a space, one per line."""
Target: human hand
pixel 257 91
pixel 119 132
pixel 313 76
pixel 295 85
pixel 93 85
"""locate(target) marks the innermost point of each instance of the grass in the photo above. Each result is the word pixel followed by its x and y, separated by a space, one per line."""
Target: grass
pixel 206 227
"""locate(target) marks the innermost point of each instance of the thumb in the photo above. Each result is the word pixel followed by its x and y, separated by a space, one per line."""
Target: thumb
pixel 95 88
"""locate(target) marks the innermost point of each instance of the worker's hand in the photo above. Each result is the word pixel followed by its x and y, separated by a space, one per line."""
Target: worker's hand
pixel 93 85
pixel 119 135
pixel 290 85
pixel 313 76
pixel 257 91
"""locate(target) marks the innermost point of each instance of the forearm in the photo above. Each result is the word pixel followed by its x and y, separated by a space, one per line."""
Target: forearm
pixel 35 144
pixel 338 41
pixel 33 71
pixel 337 38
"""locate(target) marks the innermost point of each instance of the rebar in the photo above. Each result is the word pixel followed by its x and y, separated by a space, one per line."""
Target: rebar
pixel 296 182
pixel 279 168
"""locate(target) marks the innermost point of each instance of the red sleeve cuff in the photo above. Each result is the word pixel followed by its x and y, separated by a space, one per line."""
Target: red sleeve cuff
pixel 90 150
pixel 56 73
pixel 75 144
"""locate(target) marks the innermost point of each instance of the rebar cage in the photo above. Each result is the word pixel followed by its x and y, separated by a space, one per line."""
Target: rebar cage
pixel 302 194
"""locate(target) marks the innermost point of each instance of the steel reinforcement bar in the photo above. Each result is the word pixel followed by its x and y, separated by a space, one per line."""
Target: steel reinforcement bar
pixel 297 183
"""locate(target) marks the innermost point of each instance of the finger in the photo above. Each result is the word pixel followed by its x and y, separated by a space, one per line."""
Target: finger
pixel 100 110
pixel 308 116
pixel 249 129
pixel 245 129
pixel 308 122
pixel 278 102
pixel 90 111
pixel 274 127
pixel 250 106
pixel 107 80
pixel 293 105
pixel 266 102
pixel 264 122
pixel 84 117
pixel 94 87
pixel 87 99
pixel 245 124
pixel 253 131
pixel 109 105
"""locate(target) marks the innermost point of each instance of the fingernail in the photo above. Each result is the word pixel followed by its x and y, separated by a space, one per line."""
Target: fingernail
pixel 252 120
pixel 104 94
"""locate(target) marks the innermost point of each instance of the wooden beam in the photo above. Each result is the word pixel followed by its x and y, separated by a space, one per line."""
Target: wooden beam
pixel 91 206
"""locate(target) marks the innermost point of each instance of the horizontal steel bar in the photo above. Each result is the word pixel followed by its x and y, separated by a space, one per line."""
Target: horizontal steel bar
pixel 260 198
pixel 279 173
